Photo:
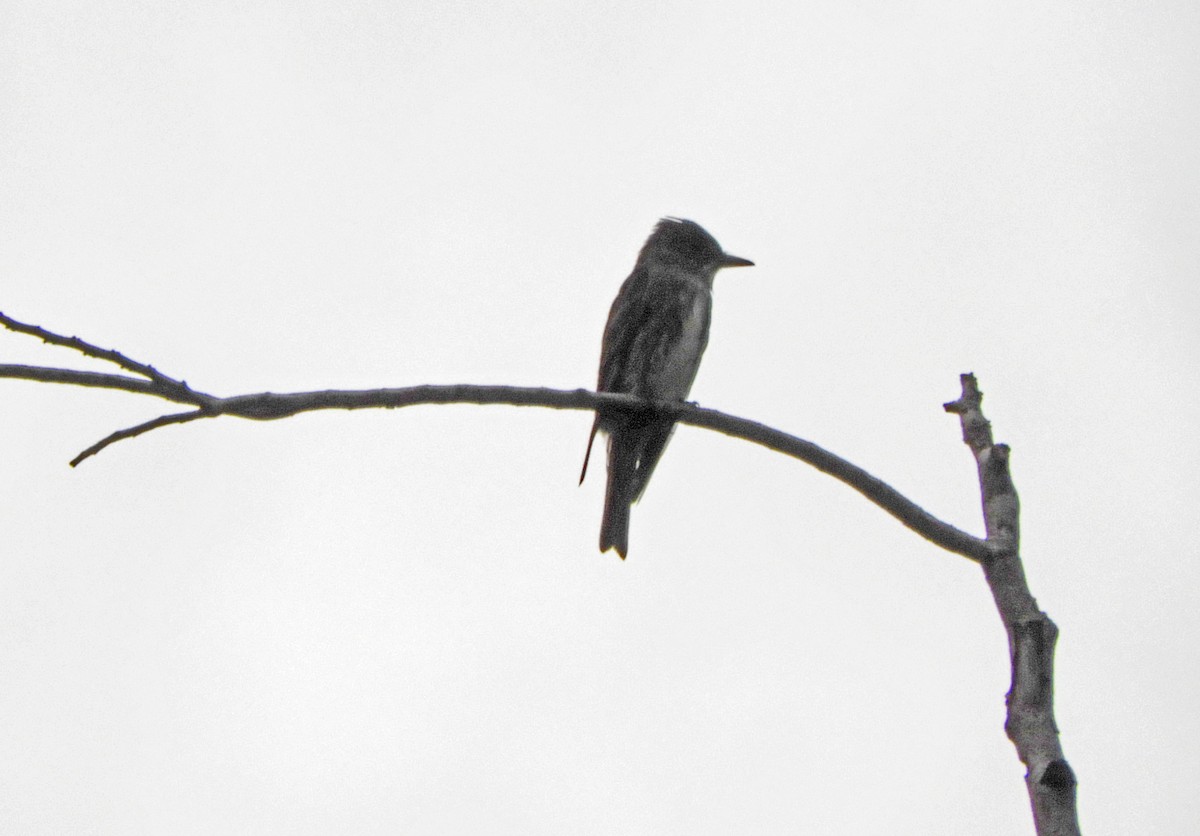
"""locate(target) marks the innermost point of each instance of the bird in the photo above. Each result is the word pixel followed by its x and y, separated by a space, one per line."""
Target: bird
pixel 656 333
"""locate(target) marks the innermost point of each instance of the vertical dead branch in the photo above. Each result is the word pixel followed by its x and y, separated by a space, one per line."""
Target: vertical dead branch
pixel 1031 634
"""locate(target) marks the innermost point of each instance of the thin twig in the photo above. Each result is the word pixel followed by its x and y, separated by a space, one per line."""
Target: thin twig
pixel 106 354
pixel 120 435
pixel 46 374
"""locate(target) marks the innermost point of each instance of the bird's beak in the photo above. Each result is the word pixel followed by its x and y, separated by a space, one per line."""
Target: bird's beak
pixel 734 261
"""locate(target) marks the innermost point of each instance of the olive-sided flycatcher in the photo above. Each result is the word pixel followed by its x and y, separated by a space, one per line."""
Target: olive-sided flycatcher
pixel 656 334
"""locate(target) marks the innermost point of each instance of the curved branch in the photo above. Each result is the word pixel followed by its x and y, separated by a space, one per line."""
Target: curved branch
pixel 882 494
pixel 268 406
pixel 161 421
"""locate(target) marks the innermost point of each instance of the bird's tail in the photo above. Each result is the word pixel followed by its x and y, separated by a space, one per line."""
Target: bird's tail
pixel 614 527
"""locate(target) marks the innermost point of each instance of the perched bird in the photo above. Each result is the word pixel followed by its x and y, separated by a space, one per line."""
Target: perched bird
pixel 656 334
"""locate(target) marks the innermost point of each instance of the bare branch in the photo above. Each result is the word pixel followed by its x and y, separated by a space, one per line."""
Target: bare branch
pixel 162 421
pixel 1031 634
pixel 882 494
pixel 46 374
pixel 269 406
pixel 187 394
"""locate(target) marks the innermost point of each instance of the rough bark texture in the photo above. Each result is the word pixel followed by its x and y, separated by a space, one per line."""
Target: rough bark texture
pixel 1031 634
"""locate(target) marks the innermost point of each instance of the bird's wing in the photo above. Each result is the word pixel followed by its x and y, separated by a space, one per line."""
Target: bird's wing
pixel 651 441
pixel 624 319
pixel 644 331
pixel 627 318
pixel 651 360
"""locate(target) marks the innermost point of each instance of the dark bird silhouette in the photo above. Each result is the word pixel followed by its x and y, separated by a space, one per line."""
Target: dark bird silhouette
pixel 656 334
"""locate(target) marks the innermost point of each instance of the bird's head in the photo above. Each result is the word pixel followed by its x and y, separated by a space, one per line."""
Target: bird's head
pixel 684 244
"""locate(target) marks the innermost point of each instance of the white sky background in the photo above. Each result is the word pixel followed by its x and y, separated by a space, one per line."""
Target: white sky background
pixel 383 622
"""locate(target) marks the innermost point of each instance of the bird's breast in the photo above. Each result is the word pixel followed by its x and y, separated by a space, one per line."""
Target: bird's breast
pixel 681 352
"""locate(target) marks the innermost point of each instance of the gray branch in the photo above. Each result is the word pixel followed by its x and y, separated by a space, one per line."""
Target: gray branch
pixel 270 406
pixel 1031 634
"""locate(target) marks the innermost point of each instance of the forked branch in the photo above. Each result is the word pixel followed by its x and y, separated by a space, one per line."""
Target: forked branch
pixel 268 406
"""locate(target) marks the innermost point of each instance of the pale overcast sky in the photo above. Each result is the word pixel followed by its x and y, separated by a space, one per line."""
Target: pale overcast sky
pixel 398 621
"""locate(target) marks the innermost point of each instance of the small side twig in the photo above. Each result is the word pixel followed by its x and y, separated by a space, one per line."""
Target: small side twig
pixel 131 432
pixel 1030 722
